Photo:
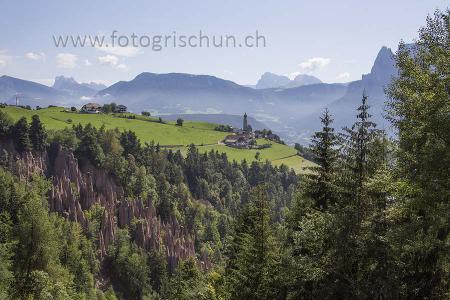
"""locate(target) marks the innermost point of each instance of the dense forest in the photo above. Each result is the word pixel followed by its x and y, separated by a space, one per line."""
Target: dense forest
pixel 91 213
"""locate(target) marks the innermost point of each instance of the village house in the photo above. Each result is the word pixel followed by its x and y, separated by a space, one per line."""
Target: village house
pixel 243 138
pixel 91 108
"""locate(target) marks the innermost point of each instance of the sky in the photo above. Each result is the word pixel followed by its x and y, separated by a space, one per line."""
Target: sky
pixel 336 41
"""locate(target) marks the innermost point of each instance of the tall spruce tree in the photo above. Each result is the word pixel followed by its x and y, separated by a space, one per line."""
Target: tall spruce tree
pixel 353 206
pixel 357 153
pixel 324 143
pixel 21 135
pixel 130 143
pixel 38 135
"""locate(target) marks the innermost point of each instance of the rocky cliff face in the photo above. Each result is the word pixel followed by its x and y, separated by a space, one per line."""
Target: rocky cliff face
pixel 75 190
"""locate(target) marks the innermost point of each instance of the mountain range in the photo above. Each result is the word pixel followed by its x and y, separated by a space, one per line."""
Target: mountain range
pixel 290 108
pixel 65 91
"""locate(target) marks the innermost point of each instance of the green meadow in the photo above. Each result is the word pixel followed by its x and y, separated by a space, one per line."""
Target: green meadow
pixel 149 129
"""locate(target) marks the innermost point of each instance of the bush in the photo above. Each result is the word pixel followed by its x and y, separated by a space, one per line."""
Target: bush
pixel 264 146
pixel 180 122
pixel 146 114
pixel 65 137
pixel 109 108
pixel 224 128
pixel 73 108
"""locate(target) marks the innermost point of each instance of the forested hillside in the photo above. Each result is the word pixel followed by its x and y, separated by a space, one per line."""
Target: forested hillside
pixel 93 213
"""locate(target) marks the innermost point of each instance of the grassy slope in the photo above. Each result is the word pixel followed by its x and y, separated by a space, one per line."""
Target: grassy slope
pixel 278 154
pixel 147 129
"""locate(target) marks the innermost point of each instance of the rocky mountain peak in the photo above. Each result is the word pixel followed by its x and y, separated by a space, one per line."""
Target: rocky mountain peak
pixel 384 67
pixel 271 80
pixel 63 81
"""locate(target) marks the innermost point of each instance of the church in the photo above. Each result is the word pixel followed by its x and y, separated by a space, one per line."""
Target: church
pixel 243 138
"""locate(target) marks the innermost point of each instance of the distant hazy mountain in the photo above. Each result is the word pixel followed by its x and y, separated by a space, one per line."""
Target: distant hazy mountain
pixel 75 89
pixel 344 108
pixel 270 80
pixel 292 112
pixel 176 93
pixel 303 79
pixel 374 83
pixel 232 120
pixel 28 92
pixel 179 93
pixel 95 86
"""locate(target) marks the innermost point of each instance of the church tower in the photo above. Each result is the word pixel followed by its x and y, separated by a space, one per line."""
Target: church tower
pixel 245 125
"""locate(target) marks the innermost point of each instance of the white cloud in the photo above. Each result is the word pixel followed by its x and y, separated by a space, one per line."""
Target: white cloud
pixel 343 76
pixel 122 67
pixel 110 60
pixel 314 64
pixel 66 60
pixel 87 63
pixel 120 51
pixel 85 98
pixel 4 58
pixel 36 56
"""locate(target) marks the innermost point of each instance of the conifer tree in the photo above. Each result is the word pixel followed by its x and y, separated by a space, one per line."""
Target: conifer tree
pixel 38 135
pixel 130 143
pixel 21 135
pixel 357 153
pixel 324 147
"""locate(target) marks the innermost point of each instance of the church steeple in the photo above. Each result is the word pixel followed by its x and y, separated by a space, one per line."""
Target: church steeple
pixel 245 125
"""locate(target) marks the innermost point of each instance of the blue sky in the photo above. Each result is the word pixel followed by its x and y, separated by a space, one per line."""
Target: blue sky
pixel 336 41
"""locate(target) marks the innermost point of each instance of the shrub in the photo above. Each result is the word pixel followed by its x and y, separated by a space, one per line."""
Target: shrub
pixel 224 128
